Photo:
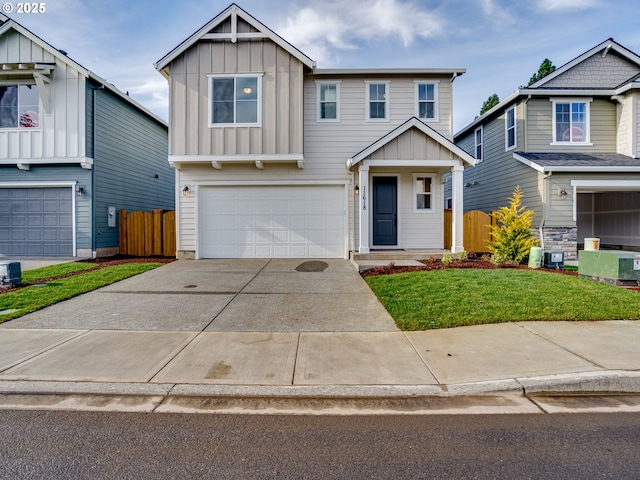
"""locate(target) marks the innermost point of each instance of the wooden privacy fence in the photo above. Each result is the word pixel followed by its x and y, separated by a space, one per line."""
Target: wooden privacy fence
pixel 476 230
pixel 144 234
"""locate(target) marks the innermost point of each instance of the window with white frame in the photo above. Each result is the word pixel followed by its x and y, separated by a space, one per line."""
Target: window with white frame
pixel 423 192
pixel 377 101
pixel 571 121
pixel 426 100
pixel 478 135
pixel 235 100
pixel 510 128
pixel 19 106
pixel 328 95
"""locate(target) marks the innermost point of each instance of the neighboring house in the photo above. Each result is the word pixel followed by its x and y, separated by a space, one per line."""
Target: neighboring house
pixel 571 141
pixel 73 151
pixel 276 158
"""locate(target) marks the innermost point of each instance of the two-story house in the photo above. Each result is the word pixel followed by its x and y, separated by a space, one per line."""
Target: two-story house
pixel 277 158
pixel 571 141
pixel 74 150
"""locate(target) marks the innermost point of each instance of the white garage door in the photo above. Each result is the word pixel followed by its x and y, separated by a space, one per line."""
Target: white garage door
pixel 271 222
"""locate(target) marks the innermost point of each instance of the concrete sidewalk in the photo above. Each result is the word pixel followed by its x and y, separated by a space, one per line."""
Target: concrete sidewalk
pixel 264 329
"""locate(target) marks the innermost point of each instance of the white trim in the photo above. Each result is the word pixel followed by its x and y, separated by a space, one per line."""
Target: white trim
pixel 571 100
pixel 84 162
pixel 475 144
pixel 508 147
pixel 319 84
pixel 412 163
pixel 398 176
pixel 618 185
pixel 387 102
pixel 436 98
pixel 235 76
pixel 431 194
pixel 176 161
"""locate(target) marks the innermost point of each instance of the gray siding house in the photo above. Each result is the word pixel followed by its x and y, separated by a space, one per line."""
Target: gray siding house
pixel 570 141
pixel 74 150
pixel 277 158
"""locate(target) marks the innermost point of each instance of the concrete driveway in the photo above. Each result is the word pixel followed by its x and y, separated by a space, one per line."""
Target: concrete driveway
pixel 279 295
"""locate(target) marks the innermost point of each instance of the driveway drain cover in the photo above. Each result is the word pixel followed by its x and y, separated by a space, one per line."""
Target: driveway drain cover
pixel 313 266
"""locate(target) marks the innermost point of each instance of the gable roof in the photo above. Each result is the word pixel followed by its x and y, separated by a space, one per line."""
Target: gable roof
pixel 604 47
pixel 7 24
pixel 232 12
pixel 537 88
pixel 413 122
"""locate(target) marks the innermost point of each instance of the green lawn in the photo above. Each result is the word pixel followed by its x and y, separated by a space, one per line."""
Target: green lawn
pixel 34 297
pixel 456 297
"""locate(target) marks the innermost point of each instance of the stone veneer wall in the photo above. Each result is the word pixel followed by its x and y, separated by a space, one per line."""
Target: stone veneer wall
pixel 561 238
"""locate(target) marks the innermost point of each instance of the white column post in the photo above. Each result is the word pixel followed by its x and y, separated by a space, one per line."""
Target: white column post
pixel 364 205
pixel 457 177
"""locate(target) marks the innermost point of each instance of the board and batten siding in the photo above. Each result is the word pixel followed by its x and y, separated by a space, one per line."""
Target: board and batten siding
pixel 499 173
pixel 62 130
pixel 602 127
pixel 280 129
pixel 130 150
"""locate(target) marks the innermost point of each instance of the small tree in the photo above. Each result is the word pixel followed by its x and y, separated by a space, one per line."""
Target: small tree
pixel 545 68
pixel 489 103
pixel 512 237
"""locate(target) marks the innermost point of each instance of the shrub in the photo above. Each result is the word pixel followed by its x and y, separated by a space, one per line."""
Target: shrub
pixel 447 257
pixel 512 237
pixel 462 255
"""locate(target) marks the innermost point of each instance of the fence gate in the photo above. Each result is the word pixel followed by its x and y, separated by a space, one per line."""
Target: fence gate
pixel 476 230
pixel 144 234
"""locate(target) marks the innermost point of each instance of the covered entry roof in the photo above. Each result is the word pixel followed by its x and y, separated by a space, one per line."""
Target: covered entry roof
pixel 579 162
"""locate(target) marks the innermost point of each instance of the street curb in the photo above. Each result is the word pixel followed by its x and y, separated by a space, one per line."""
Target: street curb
pixel 604 382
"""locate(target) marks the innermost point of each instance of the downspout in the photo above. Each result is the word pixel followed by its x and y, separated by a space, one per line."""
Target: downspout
pixel 547 198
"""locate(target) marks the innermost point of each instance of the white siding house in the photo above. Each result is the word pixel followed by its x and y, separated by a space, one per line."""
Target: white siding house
pixel 277 158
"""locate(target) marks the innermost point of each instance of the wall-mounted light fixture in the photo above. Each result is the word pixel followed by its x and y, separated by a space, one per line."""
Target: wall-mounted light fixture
pixel 467 184
pixel 475 182
pixel 185 191
pixel 562 193
pixel 79 190
pixel 356 190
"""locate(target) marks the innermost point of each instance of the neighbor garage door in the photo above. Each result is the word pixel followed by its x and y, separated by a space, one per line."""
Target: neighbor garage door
pixel 271 222
pixel 36 221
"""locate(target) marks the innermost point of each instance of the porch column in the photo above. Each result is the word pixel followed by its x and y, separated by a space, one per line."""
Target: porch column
pixel 363 183
pixel 457 243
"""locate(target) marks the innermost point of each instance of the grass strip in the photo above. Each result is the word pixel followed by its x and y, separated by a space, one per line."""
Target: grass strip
pixel 55 271
pixel 32 298
pixel 457 297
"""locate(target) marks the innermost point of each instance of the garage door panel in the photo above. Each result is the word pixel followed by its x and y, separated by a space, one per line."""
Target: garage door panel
pixel 271 222
pixel 36 221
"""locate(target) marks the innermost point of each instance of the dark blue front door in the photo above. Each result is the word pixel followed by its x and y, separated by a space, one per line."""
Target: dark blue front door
pixel 385 210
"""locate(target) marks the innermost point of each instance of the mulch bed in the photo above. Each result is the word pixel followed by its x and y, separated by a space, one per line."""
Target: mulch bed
pixel 432 263
pixel 99 263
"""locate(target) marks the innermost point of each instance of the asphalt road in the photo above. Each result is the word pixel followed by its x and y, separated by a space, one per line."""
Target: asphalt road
pixel 47 444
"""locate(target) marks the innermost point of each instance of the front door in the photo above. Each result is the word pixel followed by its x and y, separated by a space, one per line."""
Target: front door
pixel 385 210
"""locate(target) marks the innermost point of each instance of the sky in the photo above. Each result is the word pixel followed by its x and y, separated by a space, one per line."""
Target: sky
pixel 501 43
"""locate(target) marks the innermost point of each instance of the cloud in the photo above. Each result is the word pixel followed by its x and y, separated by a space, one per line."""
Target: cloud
pixel 497 13
pixel 322 30
pixel 556 5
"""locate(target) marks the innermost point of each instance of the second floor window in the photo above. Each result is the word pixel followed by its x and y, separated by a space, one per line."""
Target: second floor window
pixel 478 141
pixel 19 106
pixel 378 101
pixel 427 94
pixel 328 94
pixel 510 128
pixel 235 100
pixel 570 121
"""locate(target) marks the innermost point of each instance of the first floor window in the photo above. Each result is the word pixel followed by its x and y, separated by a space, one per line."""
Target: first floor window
pixel 571 122
pixel 423 192
pixel 19 106
pixel 234 100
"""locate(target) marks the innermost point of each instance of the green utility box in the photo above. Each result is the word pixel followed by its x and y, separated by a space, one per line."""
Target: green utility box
pixel 610 266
